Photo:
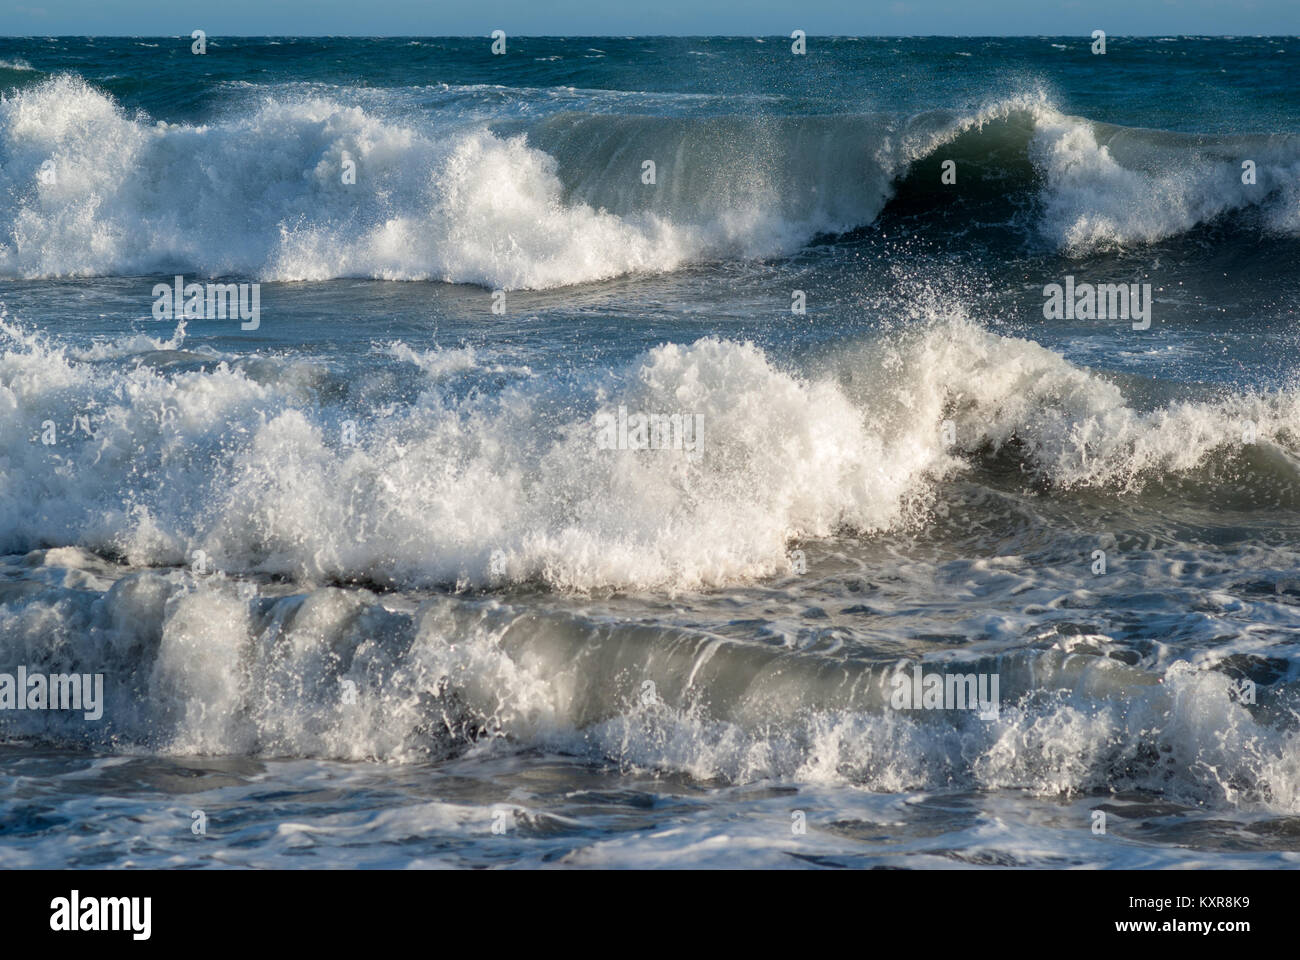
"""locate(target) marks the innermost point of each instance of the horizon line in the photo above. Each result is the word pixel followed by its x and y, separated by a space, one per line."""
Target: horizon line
pixel 647 36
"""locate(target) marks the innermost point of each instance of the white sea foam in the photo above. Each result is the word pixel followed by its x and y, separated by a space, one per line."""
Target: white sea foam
pixel 1108 187
pixel 249 465
pixel 262 195
pixel 250 470
pixel 190 668
pixel 86 190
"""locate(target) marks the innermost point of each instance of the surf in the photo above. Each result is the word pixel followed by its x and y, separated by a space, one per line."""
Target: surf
pixel 86 190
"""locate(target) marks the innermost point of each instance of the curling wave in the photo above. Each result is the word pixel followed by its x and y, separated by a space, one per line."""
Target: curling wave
pixel 193 668
pixel 86 190
pixel 158 453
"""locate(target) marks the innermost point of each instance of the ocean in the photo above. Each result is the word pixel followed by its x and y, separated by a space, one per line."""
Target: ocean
pixel 650 452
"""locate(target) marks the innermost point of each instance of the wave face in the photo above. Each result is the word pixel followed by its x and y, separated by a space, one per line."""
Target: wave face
pixel 87 190
pixel 263 196
pixel 159 542
pixel 193 668
pixel 247 461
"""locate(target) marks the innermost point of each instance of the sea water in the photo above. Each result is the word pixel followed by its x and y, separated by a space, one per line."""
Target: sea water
pixel 419 569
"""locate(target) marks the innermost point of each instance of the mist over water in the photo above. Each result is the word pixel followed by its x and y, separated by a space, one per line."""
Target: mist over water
pixel 363 581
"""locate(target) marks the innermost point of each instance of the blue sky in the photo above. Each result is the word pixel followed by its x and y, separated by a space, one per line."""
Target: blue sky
pixel 618 17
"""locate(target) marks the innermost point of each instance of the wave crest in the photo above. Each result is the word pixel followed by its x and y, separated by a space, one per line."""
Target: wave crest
pixel 248 463
pixel 88 191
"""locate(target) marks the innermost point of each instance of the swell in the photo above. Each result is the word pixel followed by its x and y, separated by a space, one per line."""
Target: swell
pixel 259 190
pixel 146 452
pixel 190 667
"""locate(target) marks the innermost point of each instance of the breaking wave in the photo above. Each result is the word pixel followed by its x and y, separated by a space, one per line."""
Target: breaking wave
pixel 286 467
pixel 86 190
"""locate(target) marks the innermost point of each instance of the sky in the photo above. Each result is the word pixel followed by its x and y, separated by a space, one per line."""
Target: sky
pixel 639 17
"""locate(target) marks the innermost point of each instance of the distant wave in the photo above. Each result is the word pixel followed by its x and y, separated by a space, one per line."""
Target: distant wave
pixel 561 200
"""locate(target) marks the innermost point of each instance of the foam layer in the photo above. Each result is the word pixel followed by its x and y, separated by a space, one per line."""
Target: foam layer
pixel 283 467
pixel 191 668
pixel 87 191
pixel 262 196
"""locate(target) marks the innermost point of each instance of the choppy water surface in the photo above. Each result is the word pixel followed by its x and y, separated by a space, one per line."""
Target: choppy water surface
pixel 366 588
